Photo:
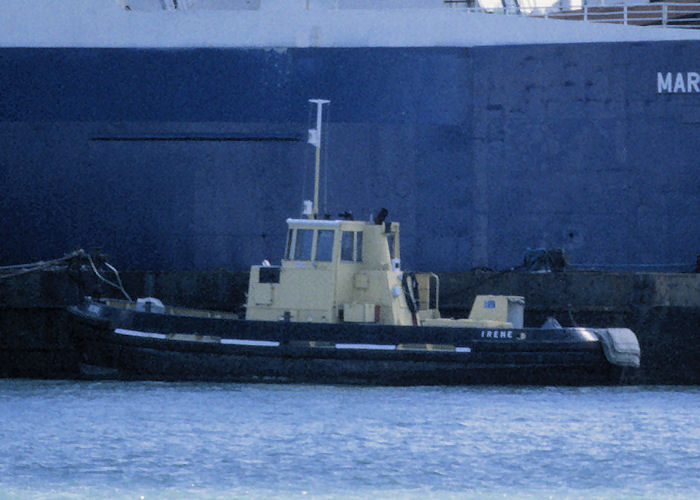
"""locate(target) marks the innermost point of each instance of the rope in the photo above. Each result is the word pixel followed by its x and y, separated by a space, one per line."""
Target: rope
pixel 12 271
pixel 117 285
pixel 20 269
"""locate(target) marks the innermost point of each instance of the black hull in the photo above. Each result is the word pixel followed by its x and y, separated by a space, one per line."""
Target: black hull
pixel 308 353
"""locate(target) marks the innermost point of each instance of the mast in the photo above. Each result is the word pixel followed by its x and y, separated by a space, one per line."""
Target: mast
pixel 315 140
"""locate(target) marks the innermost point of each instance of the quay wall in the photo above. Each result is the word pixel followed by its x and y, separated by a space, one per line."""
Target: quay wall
pixel 663 309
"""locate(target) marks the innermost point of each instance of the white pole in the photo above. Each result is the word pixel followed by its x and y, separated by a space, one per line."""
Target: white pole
pixel 315 139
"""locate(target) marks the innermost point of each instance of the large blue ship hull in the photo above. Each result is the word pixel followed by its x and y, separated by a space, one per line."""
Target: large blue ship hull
pixel 192 159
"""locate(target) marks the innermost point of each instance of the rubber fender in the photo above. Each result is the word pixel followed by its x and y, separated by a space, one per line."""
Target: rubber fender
pixel 620 346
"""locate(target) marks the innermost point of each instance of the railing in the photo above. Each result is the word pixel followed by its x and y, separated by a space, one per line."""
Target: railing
pixel 666 14
pixel 670 15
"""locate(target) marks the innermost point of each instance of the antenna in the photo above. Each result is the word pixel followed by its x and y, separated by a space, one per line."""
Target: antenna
pixel 315 140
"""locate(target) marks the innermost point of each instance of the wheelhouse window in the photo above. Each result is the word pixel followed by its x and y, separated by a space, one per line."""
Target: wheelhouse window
pixel 324 245
pixel 358 246
pixel 288 250
pixel 304 240
pixel 347 244
pixel 351 246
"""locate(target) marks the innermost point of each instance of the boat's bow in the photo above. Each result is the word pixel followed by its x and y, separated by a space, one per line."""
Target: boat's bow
pixel 620 346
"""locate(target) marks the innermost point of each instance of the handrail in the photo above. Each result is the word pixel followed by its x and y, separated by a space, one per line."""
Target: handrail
pixel 666 14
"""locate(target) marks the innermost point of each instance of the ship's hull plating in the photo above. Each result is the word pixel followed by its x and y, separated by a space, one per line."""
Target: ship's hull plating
pixel 136 345
pixel 192 159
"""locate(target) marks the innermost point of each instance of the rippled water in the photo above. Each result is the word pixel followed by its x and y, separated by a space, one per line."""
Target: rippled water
pixel 161 440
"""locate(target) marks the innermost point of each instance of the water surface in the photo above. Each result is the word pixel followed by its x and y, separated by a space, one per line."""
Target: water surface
pixel 181 440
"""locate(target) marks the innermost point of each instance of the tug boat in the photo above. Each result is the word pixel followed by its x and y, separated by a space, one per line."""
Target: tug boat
pixel 340 309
